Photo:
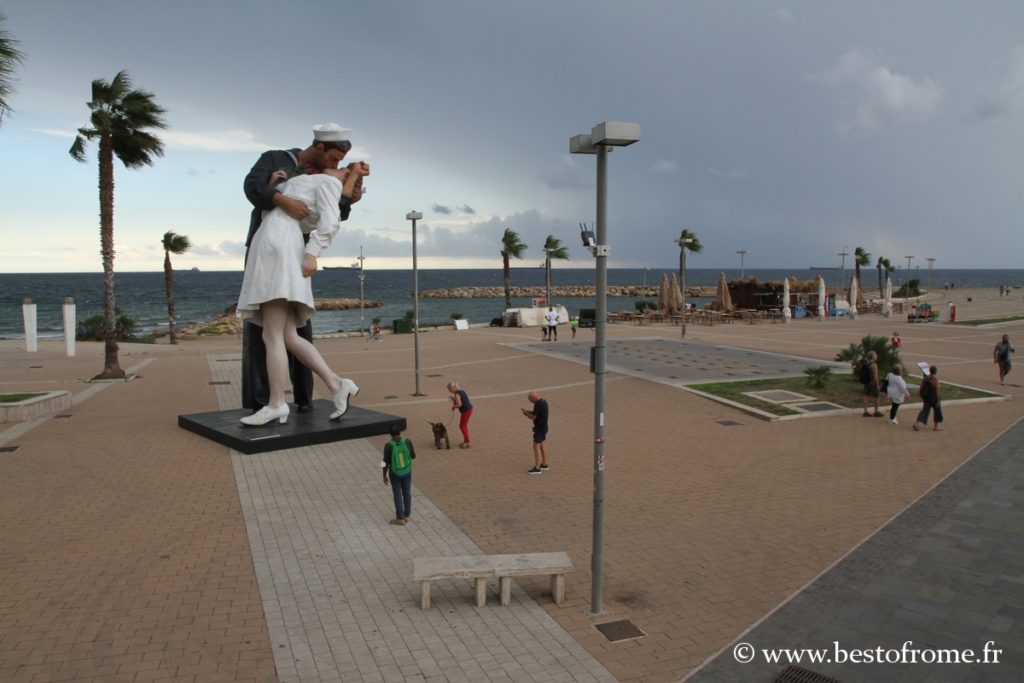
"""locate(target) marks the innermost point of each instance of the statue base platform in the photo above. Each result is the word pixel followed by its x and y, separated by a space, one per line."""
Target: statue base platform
pixel 302 429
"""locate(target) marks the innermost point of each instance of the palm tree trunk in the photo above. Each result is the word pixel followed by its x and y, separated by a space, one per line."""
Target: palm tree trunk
pixel 508 280
pixel 111 367
pixel 682 290
pixel 881 290
pixel 169 285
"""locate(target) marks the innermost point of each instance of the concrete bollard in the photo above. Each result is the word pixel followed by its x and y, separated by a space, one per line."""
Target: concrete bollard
pixel 28 312
pixel 69 325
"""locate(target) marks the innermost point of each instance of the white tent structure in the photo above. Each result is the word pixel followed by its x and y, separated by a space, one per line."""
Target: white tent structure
pixel 887 303
pixel 786 313
pixel 853 297
pixel 821 298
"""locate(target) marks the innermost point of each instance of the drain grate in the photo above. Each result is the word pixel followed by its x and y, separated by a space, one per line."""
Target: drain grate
pixel 729 423
pixel 435 375
pixel 221 381
pixel 619 630
pixel 796 674
pixel 390 397
pixel 8 449
pixel 62 415
pixel 228 360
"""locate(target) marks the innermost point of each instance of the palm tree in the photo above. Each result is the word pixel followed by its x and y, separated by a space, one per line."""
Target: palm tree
pixel 687 241
pixel 882 263
pixel 9 57
pixel 173 244
pixel 510 247
pixel 553 248
pixel 119 119
pixel 860 258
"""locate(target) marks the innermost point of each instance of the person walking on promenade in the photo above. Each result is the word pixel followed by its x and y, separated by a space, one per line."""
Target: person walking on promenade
pixel 574 324
pixel 872 385
pixel 397 465
pixel 461 402
pixel 896 390
pixel 896 343
pixel 551 319
pixel 539 415
pixel 931 398
pixel 1001 356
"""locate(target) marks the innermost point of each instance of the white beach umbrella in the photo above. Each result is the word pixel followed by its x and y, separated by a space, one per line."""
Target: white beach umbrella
pixel 723 298
pixel 677 295
pixel 887 304
pixel 786 313
pixel 821 298
pixel 853 296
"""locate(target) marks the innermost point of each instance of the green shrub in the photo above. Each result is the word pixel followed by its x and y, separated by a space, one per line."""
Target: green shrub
pixel 645 304
pixel 92 329
pixel 909 288
pixel 456 316
pixel 856 354
pixel 819 376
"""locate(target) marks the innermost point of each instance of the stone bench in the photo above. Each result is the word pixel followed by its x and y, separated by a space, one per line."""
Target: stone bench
pixel 482 567
pixel 555 565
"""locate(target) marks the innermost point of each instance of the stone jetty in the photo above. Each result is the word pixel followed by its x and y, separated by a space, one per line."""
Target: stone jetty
pixel 574 291
pixel 229 323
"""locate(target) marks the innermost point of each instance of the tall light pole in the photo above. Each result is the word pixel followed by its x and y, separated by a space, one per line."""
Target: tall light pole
pixel 362 280
pixel 908 263
pixel 682 280
pixel 931 262
pixel 842 264
pixel 547 276
pixel 415 216
pixel 742 253
pixel 601 137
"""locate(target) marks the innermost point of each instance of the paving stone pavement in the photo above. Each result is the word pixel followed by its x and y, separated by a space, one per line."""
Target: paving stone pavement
pixel 336 577
pixel 127 540
pixel 947 573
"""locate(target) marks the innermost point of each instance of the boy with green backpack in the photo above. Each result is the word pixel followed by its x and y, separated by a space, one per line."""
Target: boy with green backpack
pixel 397 464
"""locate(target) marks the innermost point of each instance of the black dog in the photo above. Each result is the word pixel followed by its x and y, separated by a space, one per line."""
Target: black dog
pixel 440 433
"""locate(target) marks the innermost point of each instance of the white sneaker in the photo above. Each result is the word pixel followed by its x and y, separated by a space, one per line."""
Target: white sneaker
pixel 342 396
pixel 267 414
pixel 893 421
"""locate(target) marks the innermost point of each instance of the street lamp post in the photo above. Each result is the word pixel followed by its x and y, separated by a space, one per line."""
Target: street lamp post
pixel 742 253
pixel 682 280
pixel 601 137
pixel 908 264
pixel 842 264
pixel 931 262
pixel 415 216
pixel 362 280
pixel 547 277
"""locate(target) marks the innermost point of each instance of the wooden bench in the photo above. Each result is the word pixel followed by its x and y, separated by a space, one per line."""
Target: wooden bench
pixel 555 565
pixel 476 567
pixel 482 567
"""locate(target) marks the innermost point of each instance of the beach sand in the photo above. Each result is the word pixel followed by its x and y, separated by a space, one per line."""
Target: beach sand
pixel 131 551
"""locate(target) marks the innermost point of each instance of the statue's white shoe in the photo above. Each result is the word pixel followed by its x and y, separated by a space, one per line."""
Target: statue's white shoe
pixel 342 396
pixel 267 414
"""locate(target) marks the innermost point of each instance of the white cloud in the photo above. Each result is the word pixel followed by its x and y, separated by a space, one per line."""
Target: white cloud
pixel 214 141
pixel 567 174
pixel 1006 98
pixel 665 166
pixel 875 95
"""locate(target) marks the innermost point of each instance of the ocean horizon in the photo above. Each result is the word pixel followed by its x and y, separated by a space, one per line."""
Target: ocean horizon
pixel 203 295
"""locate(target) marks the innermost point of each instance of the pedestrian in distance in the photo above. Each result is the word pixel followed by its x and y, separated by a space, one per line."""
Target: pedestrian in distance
pixel 896 343
pixel 551 320
pixel 461 402
pixel 896 390
pixel 397 471
pixel 932 399
pixel 574 324
pixel 1001 356
pixel 539 416
pixel 872 384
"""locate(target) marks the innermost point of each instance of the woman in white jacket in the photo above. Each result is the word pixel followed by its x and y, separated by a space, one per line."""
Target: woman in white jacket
pixel 896 391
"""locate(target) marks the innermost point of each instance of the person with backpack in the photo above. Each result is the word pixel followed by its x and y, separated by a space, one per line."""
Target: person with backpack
pixel 1001 357
pixel 397 464
pixel 868 376
pixel 931 398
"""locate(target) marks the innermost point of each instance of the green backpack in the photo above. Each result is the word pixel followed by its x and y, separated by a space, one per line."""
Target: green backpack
pixel 401 461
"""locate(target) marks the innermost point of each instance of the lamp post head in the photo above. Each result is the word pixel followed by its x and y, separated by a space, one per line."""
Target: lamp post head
pixel 414 216
pixel 582 144
pixel 615 133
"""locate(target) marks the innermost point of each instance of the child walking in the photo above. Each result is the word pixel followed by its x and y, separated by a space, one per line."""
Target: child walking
pixel 397 463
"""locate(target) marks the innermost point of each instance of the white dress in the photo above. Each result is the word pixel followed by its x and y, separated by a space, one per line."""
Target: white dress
pixel 273 269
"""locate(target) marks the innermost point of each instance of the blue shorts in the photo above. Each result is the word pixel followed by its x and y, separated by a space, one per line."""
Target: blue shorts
pixel 539 436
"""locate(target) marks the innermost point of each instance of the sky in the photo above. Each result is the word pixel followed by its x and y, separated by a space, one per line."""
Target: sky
pixel 792 130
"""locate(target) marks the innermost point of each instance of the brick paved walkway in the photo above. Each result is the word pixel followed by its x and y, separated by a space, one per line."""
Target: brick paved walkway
pixel 127 553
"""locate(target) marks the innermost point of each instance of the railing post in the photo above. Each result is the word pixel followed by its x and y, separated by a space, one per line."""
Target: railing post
pixel 28 313
pixel 69 325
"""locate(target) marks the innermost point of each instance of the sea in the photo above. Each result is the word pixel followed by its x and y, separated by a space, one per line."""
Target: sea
pixel 202 296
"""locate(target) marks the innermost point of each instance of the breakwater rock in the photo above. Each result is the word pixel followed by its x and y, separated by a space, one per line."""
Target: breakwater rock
pixel 343 304
pixel 229 323
pixel 574 291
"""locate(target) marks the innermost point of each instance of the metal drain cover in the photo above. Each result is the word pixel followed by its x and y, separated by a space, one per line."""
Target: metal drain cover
pixel 796 674
pixel 219 382
pixel 729 423
pixel 619 630
pixel 818 407
pixel 8 449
